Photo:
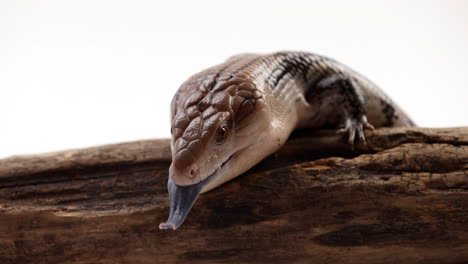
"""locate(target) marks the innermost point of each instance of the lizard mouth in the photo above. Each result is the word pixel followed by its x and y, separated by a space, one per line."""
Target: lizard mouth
pixel 183 197
pixel 216 172
pixel 213 175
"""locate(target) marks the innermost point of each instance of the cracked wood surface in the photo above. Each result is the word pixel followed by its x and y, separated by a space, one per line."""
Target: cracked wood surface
pixel 401 199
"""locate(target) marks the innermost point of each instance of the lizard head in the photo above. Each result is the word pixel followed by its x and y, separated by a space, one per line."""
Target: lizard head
pixel 215 127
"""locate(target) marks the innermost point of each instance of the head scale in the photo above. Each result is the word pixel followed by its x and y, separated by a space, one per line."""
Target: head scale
pixel 208 116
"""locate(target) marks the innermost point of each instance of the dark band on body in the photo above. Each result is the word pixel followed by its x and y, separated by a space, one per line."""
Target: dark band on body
pixel 353 103
pixel 289 64
pixel 389 113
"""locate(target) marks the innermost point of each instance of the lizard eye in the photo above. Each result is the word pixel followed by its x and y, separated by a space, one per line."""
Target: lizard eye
pixel 221 134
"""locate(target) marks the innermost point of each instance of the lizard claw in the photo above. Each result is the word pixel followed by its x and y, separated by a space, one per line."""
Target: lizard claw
pixel 353 127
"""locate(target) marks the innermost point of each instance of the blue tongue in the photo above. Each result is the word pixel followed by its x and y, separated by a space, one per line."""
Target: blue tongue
pixel 182 199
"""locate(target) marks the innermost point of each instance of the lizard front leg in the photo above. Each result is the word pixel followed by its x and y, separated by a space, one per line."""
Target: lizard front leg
pixel 337 100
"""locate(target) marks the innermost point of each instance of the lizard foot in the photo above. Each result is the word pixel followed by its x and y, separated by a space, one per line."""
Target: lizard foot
pixel 353 127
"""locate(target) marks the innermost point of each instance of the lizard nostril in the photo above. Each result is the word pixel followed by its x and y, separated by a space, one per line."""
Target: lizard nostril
pixel 192 171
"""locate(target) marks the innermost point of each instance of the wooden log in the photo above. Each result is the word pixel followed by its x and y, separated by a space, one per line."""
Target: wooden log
pixel 403 198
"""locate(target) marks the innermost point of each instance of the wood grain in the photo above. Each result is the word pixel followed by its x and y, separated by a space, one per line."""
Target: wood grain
pixel 403 198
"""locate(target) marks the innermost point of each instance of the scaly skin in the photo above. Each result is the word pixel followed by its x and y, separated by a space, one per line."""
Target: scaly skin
pixel 229 117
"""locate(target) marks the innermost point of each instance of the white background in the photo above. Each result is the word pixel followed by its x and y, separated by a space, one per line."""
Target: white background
pixel 80 73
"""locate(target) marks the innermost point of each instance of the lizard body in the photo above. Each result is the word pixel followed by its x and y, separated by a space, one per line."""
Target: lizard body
pixel 229 117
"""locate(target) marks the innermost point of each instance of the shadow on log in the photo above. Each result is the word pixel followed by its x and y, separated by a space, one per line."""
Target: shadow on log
pixel 401 199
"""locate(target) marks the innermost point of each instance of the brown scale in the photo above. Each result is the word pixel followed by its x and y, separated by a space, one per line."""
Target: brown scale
pixel 199 106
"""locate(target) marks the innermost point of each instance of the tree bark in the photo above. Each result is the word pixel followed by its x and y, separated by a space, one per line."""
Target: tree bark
pixel 402 198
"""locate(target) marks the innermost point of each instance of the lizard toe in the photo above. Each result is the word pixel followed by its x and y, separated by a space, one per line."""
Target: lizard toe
pixel 353 127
